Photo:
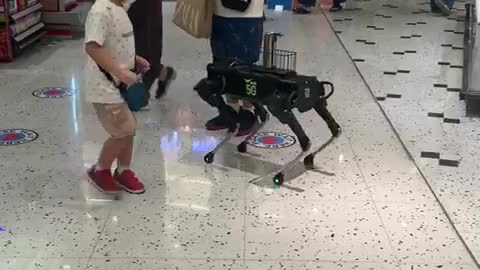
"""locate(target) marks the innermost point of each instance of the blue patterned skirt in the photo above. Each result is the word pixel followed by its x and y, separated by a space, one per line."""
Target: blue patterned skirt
pixel 236 38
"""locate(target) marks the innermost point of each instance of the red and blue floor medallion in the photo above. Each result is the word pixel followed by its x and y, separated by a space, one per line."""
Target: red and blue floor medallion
pixel 53 92
pixel 272 140
pixel 17 136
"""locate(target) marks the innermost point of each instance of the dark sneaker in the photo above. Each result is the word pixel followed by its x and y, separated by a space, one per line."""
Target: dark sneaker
pixel 217 123
pixel 227 119
pixel 164 85
pixel 103 181
pixel 301 11
pixel 129 182
pixel 336 8
pixel 248 121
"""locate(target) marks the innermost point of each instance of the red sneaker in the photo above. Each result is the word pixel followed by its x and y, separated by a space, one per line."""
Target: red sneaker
pixel 103 181
pixel 129 182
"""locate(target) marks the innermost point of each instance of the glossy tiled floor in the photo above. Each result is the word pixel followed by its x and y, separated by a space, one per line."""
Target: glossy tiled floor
pixel 366 207
pixel 422 102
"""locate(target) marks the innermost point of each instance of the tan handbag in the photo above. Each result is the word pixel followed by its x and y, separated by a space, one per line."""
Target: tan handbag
pixel 195 17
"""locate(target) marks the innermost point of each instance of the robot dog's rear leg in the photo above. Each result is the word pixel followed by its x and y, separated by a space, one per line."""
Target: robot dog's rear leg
pixel 321 108
pixel 262 114
pixel 290 119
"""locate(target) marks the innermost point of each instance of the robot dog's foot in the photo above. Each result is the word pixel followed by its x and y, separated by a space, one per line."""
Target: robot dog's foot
pixel 210 156
pixel 308 161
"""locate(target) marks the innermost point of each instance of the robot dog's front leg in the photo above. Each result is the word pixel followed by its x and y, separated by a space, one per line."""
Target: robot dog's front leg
pixel 286 116
pixel 321 108
pixel 211 93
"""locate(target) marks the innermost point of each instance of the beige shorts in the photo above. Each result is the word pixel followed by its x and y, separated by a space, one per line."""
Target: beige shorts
pixel 116 119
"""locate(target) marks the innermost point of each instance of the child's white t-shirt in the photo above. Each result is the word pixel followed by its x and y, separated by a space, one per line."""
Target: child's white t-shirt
pixel 109 26
pixel 255 10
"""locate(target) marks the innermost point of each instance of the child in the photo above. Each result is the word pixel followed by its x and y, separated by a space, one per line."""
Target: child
pixel 237 35
pixel 109 42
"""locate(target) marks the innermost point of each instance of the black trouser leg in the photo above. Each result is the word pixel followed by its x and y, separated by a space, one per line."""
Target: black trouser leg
pixel 146 17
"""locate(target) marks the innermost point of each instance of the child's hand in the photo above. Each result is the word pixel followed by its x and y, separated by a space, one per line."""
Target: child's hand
pixel 143 66
pixel 127 77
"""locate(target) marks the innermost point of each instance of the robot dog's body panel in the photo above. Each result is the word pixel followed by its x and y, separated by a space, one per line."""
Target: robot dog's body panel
pixel 257 84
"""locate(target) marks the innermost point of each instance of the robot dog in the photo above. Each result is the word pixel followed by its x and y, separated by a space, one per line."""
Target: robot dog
pixel 274 85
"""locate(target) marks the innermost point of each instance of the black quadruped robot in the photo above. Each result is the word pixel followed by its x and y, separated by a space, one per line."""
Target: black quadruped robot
pixel 274 85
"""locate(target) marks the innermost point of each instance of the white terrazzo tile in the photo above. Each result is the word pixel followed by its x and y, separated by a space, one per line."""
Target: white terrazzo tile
pixel 292 265
pixel 43 263
pixel 315 230
pixel 421 233
pixel 55 228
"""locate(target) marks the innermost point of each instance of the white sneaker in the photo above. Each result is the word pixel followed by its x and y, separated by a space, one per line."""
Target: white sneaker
pixel 146 108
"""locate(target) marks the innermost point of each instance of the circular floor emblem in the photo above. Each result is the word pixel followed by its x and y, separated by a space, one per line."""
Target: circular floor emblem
pixel 272 140
pixel 16 136
pixel 53 92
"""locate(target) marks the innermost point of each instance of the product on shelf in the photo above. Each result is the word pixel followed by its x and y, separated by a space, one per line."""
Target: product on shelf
pixel 26 22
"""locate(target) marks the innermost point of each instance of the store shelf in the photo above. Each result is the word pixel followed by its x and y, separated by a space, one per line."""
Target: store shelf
pixel 26 11
pixel 21 25
pixel 32 39
pixel 28 32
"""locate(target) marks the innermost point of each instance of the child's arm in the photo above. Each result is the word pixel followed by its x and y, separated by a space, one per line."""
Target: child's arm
pixel 103 58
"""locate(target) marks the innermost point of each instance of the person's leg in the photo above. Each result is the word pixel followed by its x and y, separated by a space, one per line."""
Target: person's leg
pixel 141 31
pixel 337 5
pixel 218 43
pixel 441 4
pixel 305 6
pixel 125 155
pixel 252 37
pixel 119 122
pixel 434 7
pixel 110 116
pixel 449 3
pixel 236 39
pixel 110 151
pixel 124 176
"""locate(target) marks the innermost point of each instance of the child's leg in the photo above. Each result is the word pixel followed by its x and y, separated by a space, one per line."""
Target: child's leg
pixel 110 151
pixel 124 175
pixel 119 122
pixel 125 156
